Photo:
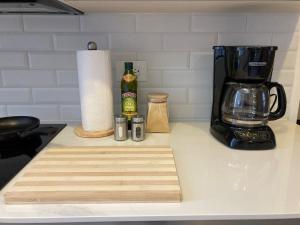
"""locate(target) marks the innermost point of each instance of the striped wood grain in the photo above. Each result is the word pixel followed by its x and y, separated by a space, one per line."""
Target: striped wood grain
pixel 98 175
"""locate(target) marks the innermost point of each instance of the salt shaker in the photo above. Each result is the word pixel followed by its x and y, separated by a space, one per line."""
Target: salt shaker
pixel 137 128
pixel 121 131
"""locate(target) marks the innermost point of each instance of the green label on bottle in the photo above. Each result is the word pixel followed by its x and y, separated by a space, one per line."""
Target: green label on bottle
pixel 129 102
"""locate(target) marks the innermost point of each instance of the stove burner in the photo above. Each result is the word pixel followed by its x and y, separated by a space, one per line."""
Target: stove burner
pixel 15 155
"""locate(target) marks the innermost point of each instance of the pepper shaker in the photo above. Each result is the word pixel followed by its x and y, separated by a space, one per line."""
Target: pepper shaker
pixel 137 128
pixel 121 131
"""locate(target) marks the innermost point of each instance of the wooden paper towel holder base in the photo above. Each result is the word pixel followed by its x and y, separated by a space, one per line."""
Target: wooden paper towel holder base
pixel 80 132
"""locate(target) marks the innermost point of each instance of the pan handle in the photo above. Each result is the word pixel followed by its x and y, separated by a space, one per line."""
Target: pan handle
pixel 38 131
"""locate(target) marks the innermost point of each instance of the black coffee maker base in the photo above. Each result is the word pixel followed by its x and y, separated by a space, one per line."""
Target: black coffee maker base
pixel 260 138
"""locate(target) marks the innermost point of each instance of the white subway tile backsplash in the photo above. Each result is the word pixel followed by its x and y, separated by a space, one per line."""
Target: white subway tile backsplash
pixel 122 56
pixel 272 22
pixel 28 78
pixel 245 39
pixel 288 91
pixel 190 112
pixel 55 95
pixel 201 95
pixel 26 42
pixel 13 60
pixel 1 80
pixel 148 22
pixel 38 65
pixel 116 77
pixel 285 41
pixel 285 77
pixel 218 23
pixel 3 110
pixel 79 41
pixel 70 112
pixel 285 60
pixel 11 23
pixel 201 60
pixel 108 22
pixel 43 112
pixel 117 95
pixel 67 78
pixel 165 60
pixel 136 42
pixel 203 41
pixel 56 61
pixel 15 95
pixel 142 109
pixel 198 78
pixel 117 109
pixel 50 23
pixel 154 79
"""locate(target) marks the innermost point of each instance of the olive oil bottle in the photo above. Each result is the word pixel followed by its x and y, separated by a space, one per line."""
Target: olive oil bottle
pixel 129 92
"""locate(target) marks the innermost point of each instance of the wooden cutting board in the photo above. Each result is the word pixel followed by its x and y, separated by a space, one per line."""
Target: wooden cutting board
pixel 98 175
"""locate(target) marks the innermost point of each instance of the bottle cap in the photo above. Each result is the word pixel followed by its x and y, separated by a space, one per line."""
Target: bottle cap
pixel 128 66
pixel 138 119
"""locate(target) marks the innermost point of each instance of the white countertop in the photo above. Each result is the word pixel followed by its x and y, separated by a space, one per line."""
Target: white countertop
pixel 217 183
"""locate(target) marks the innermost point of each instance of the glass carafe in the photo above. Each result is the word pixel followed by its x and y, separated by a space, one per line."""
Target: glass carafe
pixel 248 105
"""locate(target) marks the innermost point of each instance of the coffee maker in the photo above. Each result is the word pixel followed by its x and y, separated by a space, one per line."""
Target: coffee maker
pixel 242 99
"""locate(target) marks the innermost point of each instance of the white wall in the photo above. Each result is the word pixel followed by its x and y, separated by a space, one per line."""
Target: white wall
pixel 38 66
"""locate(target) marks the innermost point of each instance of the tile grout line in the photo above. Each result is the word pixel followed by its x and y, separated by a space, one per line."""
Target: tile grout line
pixel 246 23
pixel 163 37
pixel 109 41
pixel 190 23
pixel 59 110
pixel 22 23
pixel 80 24
pixel 135 22
pixel 2 78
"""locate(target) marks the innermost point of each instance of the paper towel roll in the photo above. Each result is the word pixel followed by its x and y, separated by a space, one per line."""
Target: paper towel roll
pixel 95 87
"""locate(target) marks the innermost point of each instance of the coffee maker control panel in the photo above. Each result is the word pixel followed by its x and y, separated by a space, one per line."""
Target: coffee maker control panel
pixel 252 135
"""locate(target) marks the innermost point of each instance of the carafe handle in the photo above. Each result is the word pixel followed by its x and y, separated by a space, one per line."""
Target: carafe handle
pixel 281 108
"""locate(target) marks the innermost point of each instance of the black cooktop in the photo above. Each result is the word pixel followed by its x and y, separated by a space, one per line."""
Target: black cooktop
pixel 14 156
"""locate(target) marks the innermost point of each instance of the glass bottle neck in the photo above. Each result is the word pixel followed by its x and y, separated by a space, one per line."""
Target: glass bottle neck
pixel 129 71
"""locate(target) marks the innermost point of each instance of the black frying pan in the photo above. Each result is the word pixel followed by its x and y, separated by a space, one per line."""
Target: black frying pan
pixel 17 127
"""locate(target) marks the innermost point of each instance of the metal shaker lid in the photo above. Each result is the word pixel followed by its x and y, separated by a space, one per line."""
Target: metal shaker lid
pixel 120 119
pixel 138 119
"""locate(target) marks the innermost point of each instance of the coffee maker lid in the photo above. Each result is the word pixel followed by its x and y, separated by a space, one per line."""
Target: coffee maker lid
pixel 246 46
